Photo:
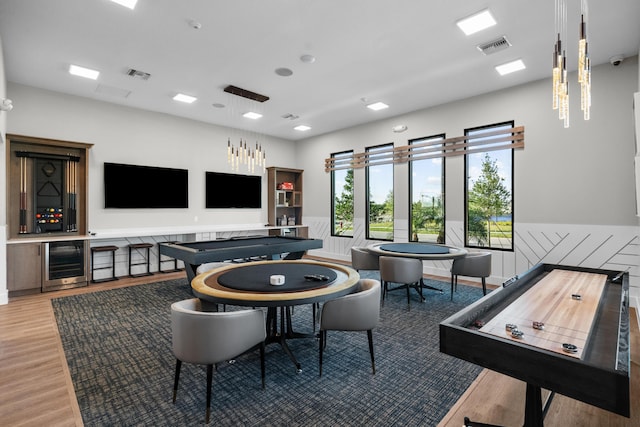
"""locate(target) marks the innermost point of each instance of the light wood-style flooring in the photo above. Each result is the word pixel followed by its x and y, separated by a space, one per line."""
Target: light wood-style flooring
pixel 36 388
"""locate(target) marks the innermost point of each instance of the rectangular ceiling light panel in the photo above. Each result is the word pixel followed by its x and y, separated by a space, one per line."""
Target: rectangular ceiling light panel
pixel 476 22
pixel 131 4
pixel 83 72
pixel 510 67
pixel 377 106
pixel 184 98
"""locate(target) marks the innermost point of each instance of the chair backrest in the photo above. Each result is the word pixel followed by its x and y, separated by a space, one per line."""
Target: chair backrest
pixel 361 259
pixel 204 337
pixel 474 264
pixel 400 270
pixel 359 311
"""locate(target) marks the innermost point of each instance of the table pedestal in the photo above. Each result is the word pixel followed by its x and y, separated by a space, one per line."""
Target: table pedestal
pixel 284 332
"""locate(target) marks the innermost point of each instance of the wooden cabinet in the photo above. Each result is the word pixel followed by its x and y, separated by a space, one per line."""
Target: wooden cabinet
pixel 24 268
pixel 47 186
pixel 285 198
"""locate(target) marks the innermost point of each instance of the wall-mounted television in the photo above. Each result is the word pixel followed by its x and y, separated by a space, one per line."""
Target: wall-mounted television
pixel 226 190
pixel 145 187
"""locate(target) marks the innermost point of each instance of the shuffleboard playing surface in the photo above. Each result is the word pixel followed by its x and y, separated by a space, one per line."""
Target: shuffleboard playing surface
pixel 566 319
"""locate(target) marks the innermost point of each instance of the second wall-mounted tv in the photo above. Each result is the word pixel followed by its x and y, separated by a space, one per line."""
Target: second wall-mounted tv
pixel 227 191
pixel 145 187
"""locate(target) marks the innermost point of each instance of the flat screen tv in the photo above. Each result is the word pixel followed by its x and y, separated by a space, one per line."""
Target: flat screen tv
pixel 226 190
pixel 145 187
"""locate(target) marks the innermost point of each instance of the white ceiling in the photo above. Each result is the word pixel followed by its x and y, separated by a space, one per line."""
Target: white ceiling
pixel 406 53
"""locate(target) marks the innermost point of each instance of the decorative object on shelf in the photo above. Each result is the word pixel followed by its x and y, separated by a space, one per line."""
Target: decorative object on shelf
pixel 285 186
pixel 560 82
pixel 243 155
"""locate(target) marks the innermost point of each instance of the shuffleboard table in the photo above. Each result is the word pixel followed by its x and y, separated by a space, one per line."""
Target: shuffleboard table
pixel 558 328
pixel 194 254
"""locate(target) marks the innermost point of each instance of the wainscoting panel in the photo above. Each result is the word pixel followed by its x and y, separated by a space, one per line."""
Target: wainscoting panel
pixel 607 247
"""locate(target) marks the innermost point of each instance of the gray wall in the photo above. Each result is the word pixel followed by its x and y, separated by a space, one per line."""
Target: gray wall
pixel 3 193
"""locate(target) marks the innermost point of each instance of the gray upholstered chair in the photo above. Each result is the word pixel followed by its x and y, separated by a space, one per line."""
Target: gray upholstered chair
pixel 474 264
pixel 361 259
pixel 358 311
pixel 407 272
pixel 207 338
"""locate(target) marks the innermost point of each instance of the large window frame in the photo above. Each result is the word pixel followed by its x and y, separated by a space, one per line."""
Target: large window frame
pixel 341 206
pixel 379 222
pixel 429 216
pixel 489 211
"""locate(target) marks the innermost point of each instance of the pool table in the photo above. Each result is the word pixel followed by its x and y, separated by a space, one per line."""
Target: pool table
pixel 194 254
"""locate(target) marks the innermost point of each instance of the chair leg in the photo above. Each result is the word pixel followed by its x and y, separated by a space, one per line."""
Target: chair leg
pixel 408 297
pixel 484 286
pixel 262 363
pixel 176 379
pixel 209 381
pixel 373 362
pixel 384 291
pixel 320 349
pixel 452 278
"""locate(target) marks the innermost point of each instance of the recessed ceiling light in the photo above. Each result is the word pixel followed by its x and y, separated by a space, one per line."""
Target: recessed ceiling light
pixel 476 22
pixel 510 67
pixel 184 98
pixel 252 115
pixel 377 106
pixel 302 128
pixel 131 4
pixel 308 59
pixel 284 72
pixel 83 72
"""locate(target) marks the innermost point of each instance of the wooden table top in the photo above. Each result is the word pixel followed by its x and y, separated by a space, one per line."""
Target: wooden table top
pixel 206 286
pixel 566 320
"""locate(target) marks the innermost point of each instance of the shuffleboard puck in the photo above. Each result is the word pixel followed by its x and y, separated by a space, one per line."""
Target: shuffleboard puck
pixel 517 334
pixel 569 348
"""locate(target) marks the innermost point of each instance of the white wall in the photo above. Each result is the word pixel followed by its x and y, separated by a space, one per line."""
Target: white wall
pixel 4 297
pixel 574 188
pixel 128 135
pixel 574 191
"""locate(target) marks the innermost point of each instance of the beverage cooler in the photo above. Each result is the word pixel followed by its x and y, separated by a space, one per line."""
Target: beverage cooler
pixel 65 264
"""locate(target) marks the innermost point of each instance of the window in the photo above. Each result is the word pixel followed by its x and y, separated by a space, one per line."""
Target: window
pixel 426 197
pixel 342 199
pixel 379 183
pixel 489 190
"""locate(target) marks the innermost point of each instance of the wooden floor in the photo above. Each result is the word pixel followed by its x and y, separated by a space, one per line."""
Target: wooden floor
pixel 36 388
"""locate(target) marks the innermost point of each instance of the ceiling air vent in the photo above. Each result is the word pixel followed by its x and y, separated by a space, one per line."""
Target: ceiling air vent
pixel 494 45
pixel 138 74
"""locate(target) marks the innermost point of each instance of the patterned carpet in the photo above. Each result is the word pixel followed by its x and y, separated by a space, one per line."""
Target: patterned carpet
pixel 118 346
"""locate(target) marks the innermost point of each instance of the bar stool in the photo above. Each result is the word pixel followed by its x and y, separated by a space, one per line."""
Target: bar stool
pixel 111 267
pixel 147 260
pixel 167 259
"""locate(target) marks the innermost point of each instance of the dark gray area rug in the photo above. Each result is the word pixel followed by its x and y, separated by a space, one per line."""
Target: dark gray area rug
pixel 118 347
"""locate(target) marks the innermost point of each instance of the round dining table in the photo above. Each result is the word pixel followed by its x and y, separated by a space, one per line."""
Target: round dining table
pixel 421 251
pixel 277 285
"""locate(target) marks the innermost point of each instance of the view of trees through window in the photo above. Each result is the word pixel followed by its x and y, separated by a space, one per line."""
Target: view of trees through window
pixel 489 192
pixel 379 178
pixel 426 181
pixel 342 201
